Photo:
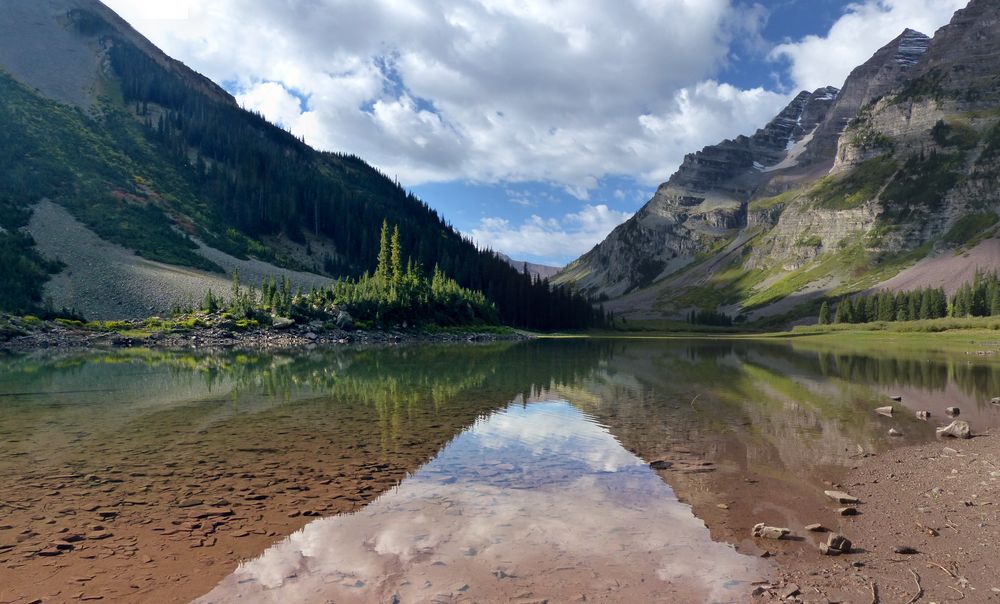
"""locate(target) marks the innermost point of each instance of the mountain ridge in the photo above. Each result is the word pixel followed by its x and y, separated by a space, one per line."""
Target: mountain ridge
pixel 896 167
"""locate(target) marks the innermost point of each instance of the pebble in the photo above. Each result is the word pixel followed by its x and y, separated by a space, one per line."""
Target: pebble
pixel 841 497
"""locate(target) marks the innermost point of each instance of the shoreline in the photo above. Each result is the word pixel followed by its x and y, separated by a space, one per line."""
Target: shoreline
pixel 47 335
pixel 927 530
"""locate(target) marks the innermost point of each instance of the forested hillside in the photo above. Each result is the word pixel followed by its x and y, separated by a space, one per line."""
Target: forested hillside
pixel 163 157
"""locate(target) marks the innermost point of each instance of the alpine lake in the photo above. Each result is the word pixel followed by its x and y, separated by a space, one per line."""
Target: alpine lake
pixel 623 470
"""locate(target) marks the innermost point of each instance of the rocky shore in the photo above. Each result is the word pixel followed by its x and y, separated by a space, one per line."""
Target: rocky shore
pixel 28 334
pixel 925 528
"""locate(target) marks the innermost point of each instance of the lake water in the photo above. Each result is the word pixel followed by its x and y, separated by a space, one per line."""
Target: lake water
pixel 500 472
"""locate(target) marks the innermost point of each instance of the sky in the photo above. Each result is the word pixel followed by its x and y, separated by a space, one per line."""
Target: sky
pixel 533 126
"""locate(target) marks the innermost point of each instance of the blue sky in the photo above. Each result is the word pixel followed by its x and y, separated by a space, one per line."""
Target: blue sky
pixel 533 126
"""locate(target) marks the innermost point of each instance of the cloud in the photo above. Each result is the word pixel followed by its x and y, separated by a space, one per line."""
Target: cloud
pixel 816 61
pixel 552 241
pixel 484 90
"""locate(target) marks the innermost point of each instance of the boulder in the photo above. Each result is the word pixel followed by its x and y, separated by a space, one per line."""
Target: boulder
pixel 769 532
pixel 956 429
pixel 842 497
pixel 282 322
pixel 887 411
pixel 344 320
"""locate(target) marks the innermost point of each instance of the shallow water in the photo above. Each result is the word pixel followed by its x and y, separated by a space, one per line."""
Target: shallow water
pixel 449 473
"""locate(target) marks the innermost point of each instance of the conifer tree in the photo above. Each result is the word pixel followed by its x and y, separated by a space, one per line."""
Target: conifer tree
pixel 824 314
pixel 382 268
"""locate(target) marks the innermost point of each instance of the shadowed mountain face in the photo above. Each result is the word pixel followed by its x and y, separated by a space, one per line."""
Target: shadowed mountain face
pixel 183 185
pixel 896 166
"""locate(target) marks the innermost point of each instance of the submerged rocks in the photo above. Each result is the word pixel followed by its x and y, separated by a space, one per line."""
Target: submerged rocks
pixel 956 429
pixel 842 497
pixel 769 532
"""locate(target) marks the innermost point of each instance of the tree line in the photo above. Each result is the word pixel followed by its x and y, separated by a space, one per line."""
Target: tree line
pixel 977 298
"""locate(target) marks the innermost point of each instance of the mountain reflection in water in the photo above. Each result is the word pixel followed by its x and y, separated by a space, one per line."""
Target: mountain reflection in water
pixel 533 501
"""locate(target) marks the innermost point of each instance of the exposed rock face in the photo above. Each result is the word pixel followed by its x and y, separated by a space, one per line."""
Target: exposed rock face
pixel 703 202
pixel 961 61
pixel 889 67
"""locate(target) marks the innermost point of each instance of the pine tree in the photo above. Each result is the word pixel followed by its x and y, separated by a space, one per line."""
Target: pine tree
pixel 382 268
pixel 396 259
pixel 824 313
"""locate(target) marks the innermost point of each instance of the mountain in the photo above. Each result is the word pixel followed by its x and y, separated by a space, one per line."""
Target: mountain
pixel 540 271
pixel 131 183
pixel 877 184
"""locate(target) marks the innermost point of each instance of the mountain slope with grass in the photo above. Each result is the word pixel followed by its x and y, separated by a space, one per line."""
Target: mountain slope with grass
pixel 162 165
pixel 879 184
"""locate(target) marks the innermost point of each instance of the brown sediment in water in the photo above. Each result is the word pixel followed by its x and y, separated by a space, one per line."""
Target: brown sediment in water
pixel 163 516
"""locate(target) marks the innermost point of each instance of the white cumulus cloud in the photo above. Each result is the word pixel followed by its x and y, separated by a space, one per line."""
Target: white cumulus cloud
pixel 551 240
pixel 483 90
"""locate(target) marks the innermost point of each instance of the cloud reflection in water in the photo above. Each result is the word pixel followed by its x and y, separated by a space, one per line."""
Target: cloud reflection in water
pixel 537 499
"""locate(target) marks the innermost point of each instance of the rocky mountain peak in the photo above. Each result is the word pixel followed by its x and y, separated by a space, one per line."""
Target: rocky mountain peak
pixel 888 68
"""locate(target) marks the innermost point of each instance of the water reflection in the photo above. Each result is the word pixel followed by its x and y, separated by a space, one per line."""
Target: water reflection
pixel 755 426
pixel 536 501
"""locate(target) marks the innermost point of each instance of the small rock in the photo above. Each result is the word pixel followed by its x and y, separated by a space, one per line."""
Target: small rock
pixel 660 464
pixel 769 532
pixel 816 528
pixel 896 397
pixel 722 506
pixel 99 535
pixel 995 400
pixel 839 542
pixel 189 503
pixel 788 591
pixel 949 451
pixel 894 432
pixel 841 497
pixel 956 429
pixel 847 511
pixel 953 411
pixel 887 411
pixel 905 550
pixel 924 415
pixel 758 591
pixel 826 550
